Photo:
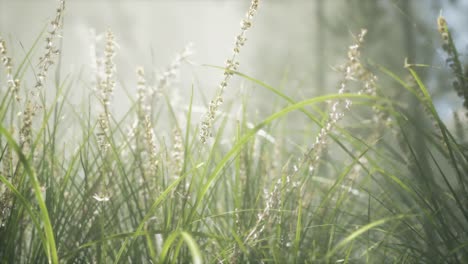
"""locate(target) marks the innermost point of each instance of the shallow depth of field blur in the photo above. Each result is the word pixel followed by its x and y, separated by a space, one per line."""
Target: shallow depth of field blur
pixel 222 131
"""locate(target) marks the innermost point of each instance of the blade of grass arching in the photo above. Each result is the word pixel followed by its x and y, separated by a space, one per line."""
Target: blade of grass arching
pixel 351 237
pixel 193 247
pixel 270 88
pixel 167 246
pixel 309 115
pixel 162 197
pixel 49 247
pixel 176 256
pixel 239 145
pixel 427 97
pixel 275 91
pixel 397 79
pixel 292 101
pixel 151 248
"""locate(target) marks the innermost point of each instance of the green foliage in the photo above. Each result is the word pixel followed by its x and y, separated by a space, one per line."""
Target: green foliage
pixel 374 179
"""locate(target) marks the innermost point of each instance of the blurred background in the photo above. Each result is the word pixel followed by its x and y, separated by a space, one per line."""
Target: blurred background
pixel 293 44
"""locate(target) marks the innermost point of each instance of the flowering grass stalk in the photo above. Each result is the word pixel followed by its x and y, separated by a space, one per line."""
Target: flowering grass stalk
pixel 231 65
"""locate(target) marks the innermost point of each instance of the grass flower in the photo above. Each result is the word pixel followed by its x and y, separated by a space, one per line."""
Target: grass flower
pixel 352 71
pixel 51 50
pixel 102 135
pixel 12 83
pixel 142 95
pixel 5 59
pixel 26 127
pixel 142 130
pixel 106 86
pixel 231 65
pixel 461 75
pixel 45 61
pixel 177 153
pixel 106 89
pixel 151 144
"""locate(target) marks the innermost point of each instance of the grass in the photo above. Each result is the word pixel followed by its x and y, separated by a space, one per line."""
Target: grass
pixel 376 181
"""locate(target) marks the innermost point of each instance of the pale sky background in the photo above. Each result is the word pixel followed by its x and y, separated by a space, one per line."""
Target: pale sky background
pixel 149 33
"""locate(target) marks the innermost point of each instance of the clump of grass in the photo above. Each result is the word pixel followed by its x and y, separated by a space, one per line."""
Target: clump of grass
pixel 380 196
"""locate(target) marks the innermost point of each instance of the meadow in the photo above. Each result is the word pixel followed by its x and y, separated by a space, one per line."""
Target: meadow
pixel 378 176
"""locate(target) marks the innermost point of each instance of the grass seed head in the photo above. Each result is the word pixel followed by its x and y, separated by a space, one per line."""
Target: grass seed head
pixel 51 50
pixel 231 65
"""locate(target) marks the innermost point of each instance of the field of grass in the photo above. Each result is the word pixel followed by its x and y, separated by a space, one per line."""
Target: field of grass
pixel 378 179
